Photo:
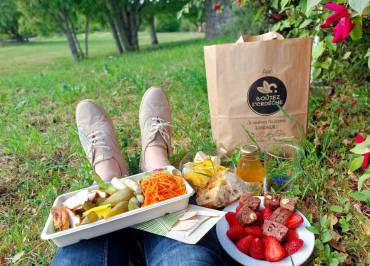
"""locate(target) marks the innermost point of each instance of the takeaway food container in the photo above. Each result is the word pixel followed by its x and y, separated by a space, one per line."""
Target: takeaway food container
pixel 101 227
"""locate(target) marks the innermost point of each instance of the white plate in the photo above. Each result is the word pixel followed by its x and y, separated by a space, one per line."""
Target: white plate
pixel 298 258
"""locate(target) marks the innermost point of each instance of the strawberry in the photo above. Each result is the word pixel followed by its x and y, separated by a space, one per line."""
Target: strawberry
pixel 294 221
pixel 259 218
pixel 238 208
pixel 231 218
pixel 254 230
pixel 267 212
pixel 236 232
pixel 273 250
pixel 292 234
pixel 293 246
pixel 257 249
pixel 244 244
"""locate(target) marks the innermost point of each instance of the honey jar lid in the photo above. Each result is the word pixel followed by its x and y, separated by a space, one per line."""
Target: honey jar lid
pixel 249 150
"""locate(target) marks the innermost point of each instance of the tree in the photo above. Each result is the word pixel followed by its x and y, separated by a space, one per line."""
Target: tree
pixel 57 14
pixel 9 24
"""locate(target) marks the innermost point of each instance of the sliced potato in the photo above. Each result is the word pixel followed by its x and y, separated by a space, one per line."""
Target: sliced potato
pixel 120 207
pixel 121 195
pixel 133 204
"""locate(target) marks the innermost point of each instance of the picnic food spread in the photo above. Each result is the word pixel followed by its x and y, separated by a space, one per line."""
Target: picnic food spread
pixel 118 196
pixel 267 233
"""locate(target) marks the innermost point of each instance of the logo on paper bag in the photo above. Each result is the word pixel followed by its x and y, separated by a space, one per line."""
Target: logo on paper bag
pixel 267 95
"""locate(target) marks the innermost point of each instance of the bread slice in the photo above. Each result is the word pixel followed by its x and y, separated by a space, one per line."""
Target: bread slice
pixel 222 189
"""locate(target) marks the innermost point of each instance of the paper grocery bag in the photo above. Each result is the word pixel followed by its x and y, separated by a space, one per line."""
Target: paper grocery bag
pixel 261 83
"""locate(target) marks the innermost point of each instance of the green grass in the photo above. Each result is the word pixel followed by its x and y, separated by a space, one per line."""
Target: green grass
pixel 40 154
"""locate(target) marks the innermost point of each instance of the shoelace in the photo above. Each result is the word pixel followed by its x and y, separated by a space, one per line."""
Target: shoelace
pixel 159 125
pixel 92 141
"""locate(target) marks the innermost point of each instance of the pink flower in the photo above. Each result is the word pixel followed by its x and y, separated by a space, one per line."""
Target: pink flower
pixel 341 15
pixel 365 162
pixel 217 8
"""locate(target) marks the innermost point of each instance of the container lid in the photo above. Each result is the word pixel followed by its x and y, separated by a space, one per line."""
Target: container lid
pixel 249 150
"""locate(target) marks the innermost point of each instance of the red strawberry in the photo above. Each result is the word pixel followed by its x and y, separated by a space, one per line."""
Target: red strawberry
pixel 293 246
pixel 254 230
pixel 244 244
pixel 267 212
pixel 257 249
pixel 238 208
pixel 273 250
pixel 231 218
pixel 236 232
pixel 259 218
pixel 294 221
pixel 292 234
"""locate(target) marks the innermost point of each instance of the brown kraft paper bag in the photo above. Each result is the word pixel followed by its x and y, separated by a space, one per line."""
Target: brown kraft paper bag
pixel 253 84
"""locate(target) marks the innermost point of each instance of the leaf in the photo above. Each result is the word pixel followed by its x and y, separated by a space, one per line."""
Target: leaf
pixel 318 50
pixel 283 4
pixel 359 5
pixel 355 163
pixel 305 23
pixel 313 229
pixel 362 180
pixel 356 32
pixel 335 208
pixel 368 57
pixel 362 196
pixel 311 4
pixel 346 55
pixel 327 63
pixel 275 4
pixel 326 236
pixel 363 147
pixel 17 256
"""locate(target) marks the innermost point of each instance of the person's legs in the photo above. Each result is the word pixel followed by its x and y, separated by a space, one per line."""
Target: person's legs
pixel 98 140
pixel 155 121
pixel 100 251
pixel 167 252
pixel 154 118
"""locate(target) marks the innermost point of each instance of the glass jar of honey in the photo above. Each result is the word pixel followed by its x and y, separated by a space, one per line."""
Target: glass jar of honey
pixel 250 167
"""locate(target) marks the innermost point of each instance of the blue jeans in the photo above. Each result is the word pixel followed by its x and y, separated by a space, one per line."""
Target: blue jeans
pixel 115 249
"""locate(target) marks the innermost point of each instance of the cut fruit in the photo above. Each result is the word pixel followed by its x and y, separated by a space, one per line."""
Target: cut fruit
pixel 294 221
pixel 257 249
pixel 254 230
pixel 273 250
pixel 236 232
pixel 293 246
pixel 244 244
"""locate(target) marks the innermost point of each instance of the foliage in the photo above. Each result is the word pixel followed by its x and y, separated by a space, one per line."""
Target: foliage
pixel 302 18
pixel 11 20
pixel 167 23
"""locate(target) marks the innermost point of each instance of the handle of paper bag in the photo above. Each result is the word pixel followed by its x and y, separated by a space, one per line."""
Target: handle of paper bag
pixel 272 35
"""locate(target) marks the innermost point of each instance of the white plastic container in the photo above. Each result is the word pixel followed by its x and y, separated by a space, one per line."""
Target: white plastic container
pixel 101 227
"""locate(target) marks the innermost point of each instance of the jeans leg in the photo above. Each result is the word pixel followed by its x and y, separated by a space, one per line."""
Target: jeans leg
pixel 105 250
pixel 162 251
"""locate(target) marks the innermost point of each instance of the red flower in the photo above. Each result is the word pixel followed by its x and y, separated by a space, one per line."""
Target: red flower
pixel 276 16
pixel 217 7
pixel 341 15
pixel 365 162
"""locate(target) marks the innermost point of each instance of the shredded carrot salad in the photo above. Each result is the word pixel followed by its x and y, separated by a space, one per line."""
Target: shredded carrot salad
pixel 161 186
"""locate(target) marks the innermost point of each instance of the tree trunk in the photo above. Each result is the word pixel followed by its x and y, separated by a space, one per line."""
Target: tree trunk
pixel 78 45
pixel 64 25
pixel 214 20
pixel 153 34
pixel 119 22
pixel 87 26
pixel 112 27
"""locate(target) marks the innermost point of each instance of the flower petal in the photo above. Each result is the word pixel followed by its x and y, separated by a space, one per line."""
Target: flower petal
pixel 365 162
pixel 334 7
pixel 359 138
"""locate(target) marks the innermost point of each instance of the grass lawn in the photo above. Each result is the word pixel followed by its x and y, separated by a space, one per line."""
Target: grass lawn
pixel 40 154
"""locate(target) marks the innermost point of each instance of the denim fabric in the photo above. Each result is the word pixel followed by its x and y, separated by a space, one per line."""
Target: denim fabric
pixel 114 249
